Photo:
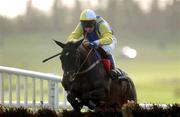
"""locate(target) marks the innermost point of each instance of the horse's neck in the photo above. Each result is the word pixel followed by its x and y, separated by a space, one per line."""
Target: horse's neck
pixel 94 64
pixel 86 55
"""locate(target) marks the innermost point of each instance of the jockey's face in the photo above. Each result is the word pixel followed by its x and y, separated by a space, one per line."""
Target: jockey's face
pixel 89 29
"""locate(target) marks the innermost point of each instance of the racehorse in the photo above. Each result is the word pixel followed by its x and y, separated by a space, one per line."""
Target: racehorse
pixel 87 82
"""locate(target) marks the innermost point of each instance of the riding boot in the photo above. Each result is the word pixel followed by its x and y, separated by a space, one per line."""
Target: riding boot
pixel 113 72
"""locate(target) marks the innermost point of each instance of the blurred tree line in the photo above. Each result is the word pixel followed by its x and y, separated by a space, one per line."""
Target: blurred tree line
pixel 125 16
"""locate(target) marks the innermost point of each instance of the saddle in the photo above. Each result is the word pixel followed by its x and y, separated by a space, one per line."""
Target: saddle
pixel 114 73
pixel 120 75
pixel 106 62
pixel 117 73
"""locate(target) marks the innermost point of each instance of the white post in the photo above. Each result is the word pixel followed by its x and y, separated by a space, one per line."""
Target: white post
pixel 2 88
pixel 56 101
pixel 41 93
pixel 18 91
pixel 10 90
pixel 34 94
pixel 51 86
pixel 49 93
pixel 25 92
pixel 64 99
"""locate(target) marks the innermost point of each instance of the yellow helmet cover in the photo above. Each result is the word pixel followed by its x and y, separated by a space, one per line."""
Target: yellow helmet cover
pixel 87 15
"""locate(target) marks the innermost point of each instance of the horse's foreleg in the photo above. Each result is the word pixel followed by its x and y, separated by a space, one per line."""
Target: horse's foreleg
pixel 74 102
pixel 95 97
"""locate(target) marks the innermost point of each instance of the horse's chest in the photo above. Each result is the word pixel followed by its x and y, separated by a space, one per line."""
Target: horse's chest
pixel 82 86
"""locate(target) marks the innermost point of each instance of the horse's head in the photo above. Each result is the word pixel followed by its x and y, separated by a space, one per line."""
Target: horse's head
pixel 70 58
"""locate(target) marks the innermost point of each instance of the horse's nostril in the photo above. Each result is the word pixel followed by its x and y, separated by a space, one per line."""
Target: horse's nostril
pixel 64 75
pixel 71 79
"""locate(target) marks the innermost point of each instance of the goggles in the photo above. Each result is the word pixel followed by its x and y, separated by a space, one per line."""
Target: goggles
pixel 88 24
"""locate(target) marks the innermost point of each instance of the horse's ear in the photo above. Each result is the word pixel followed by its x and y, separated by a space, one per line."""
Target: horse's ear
pixel 78 43
pixel 60 44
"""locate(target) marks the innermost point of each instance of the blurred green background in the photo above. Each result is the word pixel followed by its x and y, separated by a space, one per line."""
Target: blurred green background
pixel 153 31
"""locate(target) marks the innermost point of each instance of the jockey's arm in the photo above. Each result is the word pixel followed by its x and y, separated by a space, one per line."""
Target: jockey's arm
pixel 106 34
pixel 76 34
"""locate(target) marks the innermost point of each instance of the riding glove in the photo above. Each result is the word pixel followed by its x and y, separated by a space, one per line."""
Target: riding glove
pixel 94 44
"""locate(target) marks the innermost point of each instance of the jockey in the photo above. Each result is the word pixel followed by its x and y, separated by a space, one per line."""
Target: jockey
pixel 97 31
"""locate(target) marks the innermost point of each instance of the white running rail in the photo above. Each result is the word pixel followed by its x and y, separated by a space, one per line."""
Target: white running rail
pixel 6 73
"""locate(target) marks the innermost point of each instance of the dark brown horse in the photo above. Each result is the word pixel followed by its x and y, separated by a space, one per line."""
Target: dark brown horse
pixel 87 82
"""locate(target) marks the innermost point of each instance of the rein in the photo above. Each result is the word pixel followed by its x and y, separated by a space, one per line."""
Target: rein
pixel 84 60
pixel 90 67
